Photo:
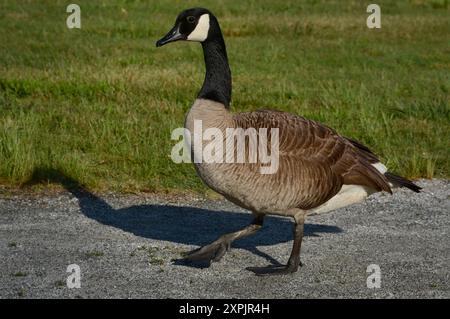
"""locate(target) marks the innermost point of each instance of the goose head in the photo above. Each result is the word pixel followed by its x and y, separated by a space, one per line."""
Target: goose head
pixel 196 24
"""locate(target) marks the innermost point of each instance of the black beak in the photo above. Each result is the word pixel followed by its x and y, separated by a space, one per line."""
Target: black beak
pixel 172 36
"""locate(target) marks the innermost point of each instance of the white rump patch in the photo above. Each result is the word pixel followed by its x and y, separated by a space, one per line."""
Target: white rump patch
pixel 200 32
pixel 380 167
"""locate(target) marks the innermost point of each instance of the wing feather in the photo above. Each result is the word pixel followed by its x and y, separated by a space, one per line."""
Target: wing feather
pixel 319 148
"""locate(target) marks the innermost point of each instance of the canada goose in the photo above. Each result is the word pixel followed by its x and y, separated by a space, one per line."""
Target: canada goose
pixel 319 170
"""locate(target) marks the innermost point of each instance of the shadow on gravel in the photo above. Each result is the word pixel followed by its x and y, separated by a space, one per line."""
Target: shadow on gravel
pixel 180 224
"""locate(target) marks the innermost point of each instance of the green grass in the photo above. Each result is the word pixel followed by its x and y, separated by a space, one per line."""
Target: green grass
pixel 94 253
pixel 98 104
pixel 60 284
pixel 20 274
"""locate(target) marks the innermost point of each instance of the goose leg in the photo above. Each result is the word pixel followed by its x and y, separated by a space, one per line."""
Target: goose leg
pixel 294 259
pixel 217 249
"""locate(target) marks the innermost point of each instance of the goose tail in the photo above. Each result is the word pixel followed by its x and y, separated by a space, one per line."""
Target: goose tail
pixel 402 182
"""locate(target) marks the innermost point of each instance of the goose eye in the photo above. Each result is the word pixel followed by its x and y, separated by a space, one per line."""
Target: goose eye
pixel 190 19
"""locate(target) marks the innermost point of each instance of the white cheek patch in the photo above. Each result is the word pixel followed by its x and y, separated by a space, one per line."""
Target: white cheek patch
pixel 200 32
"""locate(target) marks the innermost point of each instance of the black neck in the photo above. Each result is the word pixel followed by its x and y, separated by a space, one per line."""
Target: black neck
pixel 217 84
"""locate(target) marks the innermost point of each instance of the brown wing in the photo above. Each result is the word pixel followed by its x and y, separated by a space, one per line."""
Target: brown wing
pixel 322 153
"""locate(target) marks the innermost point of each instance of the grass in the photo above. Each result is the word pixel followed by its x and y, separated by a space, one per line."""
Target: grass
pixel 12 244
pixel 21 292
pixel 94 253
pixel 153 253
pixel 20 274
pixel 99 103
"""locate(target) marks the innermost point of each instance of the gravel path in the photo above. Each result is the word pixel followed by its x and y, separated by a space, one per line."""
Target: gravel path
pixel 128 246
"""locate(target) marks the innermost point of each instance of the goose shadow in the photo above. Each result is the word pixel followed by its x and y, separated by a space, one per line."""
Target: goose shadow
pixel 185 225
